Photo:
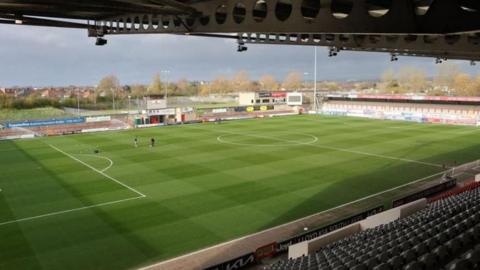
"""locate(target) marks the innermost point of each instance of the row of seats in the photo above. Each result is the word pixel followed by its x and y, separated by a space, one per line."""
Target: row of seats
pixel 443 236
pixel 75 128
pixel 458 190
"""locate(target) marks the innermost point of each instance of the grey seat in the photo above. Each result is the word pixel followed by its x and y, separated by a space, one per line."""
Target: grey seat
pixel 383 257
pixel 473 256
pixel 454 245
pixel 461 264
pixel 420 249
pixel 408 255
pixel 441 253
pixel 396 262
pixel 382 266
pixel 415 265
pixel 359 267
pixel 429 261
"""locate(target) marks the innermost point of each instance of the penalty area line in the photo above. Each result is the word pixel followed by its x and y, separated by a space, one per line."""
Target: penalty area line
pixel 98 171
pixel 101 157
pixel 68 211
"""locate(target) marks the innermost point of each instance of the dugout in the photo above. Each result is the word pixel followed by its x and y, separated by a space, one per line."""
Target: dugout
pixel 160 116
pixel 156 111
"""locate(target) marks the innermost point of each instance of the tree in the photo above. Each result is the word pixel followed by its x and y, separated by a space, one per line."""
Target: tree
pixel 220 85
pixel 412 79
pixel 388 76
pixel 155 87
pixel 464 85
pixel 476 86
pixel 332 86
pixel 292 81
pixel 240 82
pixel 389 82
pixel 267 82
pixel 204 89
pixel 108 87
pixel 446 74
pixel 138 90
pixel 185 88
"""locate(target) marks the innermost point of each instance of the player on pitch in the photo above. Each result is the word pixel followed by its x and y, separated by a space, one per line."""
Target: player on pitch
pixel 152 142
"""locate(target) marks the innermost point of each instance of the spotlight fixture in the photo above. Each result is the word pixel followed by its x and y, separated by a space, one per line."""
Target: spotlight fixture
pixel 100 41
pixel 393 57
pixel 333 51
pixel 242 47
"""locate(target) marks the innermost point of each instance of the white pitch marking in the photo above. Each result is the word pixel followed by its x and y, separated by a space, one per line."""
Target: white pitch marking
pixel 294 221
pixel 98 171
pixel 102 157
pixel 68 211
pixel 343 150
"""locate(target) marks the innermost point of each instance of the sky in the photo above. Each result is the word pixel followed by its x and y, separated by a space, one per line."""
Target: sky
pixel 38 56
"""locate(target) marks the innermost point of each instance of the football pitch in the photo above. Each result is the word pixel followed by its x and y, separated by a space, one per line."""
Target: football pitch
pixel 64 207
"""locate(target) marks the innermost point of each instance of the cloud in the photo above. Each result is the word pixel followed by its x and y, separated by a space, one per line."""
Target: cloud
pixel 49 56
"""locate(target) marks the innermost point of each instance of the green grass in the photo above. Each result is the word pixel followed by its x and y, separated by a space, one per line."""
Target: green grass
pixel 200 191
pixel 12 115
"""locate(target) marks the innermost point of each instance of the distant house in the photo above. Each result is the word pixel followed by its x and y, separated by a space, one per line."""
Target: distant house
pixel 87 94
pixel 10 91
pixel 45 93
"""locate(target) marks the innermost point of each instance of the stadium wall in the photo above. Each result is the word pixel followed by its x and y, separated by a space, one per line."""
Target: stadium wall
pixel 420 113
pixel 41 123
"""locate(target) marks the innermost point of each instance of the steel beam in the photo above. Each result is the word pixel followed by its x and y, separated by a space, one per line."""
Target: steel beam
pixel 464 47
pixel 309 16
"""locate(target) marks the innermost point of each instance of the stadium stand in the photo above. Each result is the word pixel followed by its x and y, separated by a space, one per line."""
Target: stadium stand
pixel 245 115
pixel 79 128
pixel 15 133
pixel 444 235
pixel 425 113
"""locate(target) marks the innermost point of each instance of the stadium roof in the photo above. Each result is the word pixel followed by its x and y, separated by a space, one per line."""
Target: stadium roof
pixel 442 29
pixel 93 9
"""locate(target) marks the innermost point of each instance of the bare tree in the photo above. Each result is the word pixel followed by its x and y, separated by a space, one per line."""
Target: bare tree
pixel 446 74
pixel 464 85
pixel 138 90
pixel 204 89
pixel 241 82
pixel 182 87
pixel 107 87
pixel 412 79
pixel 155 87
pixel 293 81
pixel 267 82
pixel 220 85
pixel 476 86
